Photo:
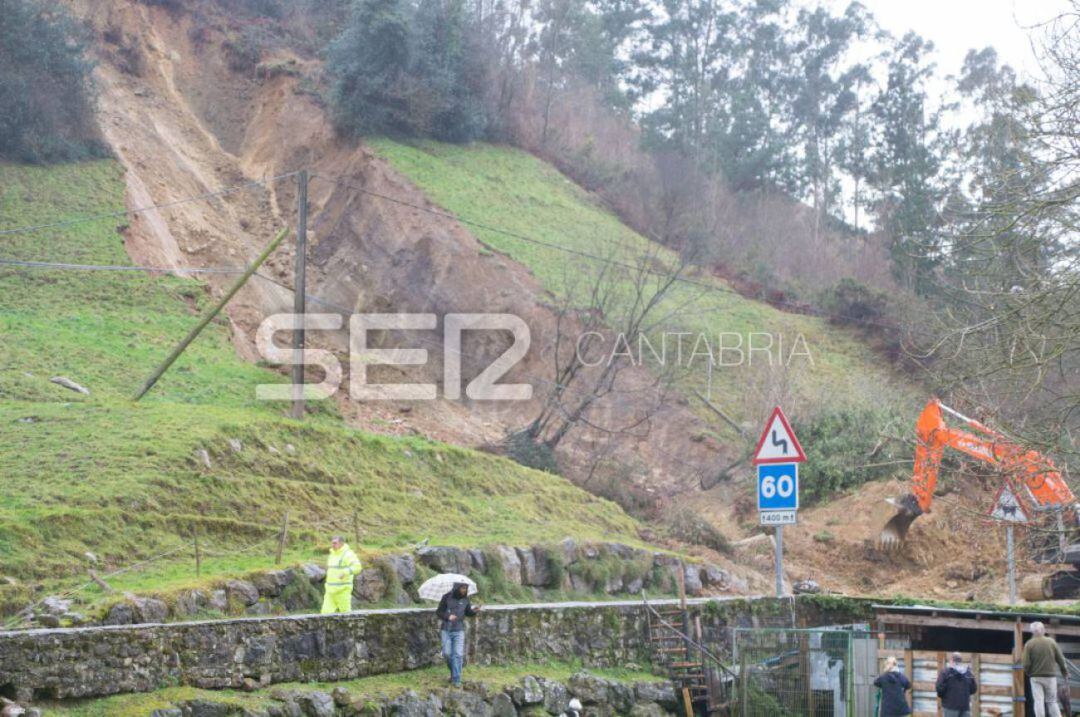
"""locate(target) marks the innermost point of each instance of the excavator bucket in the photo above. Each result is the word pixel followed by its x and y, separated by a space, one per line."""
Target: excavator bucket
pixel 895 531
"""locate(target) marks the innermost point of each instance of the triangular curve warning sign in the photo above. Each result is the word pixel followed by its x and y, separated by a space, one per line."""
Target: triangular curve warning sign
pixel 1006 507
pixel 778 443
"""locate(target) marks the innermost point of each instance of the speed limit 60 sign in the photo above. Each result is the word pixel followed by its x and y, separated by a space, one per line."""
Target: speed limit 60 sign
pixel 778 486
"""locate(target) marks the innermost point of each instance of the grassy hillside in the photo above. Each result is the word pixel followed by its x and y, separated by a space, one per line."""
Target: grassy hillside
pixel 129 481
pixel 512 190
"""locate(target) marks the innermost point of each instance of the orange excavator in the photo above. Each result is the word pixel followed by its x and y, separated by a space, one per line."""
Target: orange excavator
pixel 1037 483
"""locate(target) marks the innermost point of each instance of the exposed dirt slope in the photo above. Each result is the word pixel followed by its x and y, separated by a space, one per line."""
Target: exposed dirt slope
pixel 185 121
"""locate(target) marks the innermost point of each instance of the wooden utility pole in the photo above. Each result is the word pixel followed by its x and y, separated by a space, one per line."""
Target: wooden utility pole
pixel 194 333
pixel 281 539
pixel 198 555
pixel 299 298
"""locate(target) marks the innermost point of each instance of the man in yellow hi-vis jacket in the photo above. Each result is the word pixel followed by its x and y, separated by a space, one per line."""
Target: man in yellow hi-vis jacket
pixel 342 566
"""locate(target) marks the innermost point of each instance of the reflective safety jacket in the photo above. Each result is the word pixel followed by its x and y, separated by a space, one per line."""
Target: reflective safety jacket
pixel 341 567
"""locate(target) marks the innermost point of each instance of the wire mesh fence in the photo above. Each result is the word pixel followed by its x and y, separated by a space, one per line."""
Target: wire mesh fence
pixel 796 672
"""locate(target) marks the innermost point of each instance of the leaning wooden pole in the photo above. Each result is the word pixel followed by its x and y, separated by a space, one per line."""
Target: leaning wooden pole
pixel 193 334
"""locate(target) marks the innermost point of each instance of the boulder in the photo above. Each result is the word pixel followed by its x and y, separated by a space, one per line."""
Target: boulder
pixel 206 708
pixel 241 592
pixel 589 688
pixel 465 703
pixel 715 577
pixel 411 705
pixel 531 692
pixel 556 696
pixel 404 566
pixel 621 696
pixel 663 693
pixel 48 620
pixel 693 579
pixel 503 706
pixel 272 583
pixel 445 559
pixel 218 601
pixel 534 567
pixel 316 704
pixel 189 602
pixel 623 552
pixel 56 605
pixel 313 572
pixel 634 586
pixel 369 585
pixel 167 712
pixel 150 610
pixel 647 709
pixel 122 613
pixel 568 550
pixel 510 563
pixel 478 561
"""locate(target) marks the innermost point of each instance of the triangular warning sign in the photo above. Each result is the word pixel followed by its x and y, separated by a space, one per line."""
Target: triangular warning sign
pixel 778 443
pixel 1007 507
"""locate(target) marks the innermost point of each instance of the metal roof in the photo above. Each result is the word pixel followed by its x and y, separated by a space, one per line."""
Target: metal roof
pixel 970 612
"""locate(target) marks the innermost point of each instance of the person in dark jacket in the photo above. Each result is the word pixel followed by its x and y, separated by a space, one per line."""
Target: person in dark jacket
pixel 955 686
pixel 452 611
pixel 894 685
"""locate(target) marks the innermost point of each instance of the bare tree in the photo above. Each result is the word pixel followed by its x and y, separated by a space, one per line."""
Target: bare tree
pixel 1007 334
pixel 600 321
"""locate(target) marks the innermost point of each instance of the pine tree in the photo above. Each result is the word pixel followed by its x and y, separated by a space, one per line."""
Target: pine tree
pixel 907 165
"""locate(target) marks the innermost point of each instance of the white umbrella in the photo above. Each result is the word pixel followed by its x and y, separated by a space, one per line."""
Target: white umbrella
pixel 434 588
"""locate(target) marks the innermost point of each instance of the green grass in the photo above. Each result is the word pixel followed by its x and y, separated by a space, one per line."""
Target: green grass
pixel 512 190
pixel 123 480
pixel 421 681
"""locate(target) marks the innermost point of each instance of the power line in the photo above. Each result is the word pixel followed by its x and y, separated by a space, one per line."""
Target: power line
pixel 152 207
pixel 121 267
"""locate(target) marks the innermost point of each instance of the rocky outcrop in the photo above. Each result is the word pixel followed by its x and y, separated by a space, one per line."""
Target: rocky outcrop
pixel 589 569
pixel 588 695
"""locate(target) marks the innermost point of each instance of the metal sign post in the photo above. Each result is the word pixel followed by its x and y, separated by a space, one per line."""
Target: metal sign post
pixel 779 561
pixel 1009 510
pixel 1012 563
pixel 777 458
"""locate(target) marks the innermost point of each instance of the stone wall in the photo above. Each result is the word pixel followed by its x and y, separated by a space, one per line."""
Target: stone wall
pixel 95 661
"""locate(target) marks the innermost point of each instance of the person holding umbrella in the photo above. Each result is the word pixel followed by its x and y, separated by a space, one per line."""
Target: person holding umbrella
pixel 454 607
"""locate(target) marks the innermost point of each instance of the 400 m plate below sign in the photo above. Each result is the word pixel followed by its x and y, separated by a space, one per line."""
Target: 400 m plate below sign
pixel 777 517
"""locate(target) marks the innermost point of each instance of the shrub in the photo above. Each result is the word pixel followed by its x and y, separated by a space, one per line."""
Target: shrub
pixel 407 70
pixel 847 447
pixel 44 83
pixel 521 448
pixel 852 303
pixel 686 524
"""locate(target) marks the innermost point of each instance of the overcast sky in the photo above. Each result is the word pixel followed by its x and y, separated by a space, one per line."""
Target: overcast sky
pixel 955 26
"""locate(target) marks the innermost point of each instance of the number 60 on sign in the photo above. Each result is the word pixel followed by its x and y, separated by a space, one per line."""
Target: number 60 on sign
pixel 778 486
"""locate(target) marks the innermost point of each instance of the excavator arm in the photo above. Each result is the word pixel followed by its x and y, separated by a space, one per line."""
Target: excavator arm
pixel 1045 487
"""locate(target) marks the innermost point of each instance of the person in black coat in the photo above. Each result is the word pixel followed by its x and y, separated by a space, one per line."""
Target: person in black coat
pixel 894 685
pixel 955 686
pixel 452 611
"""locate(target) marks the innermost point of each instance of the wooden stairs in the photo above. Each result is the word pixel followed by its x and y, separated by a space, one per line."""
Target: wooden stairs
pixel 704 684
